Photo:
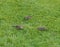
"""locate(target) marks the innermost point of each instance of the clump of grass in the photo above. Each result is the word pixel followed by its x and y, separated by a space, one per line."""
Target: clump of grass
pixel 1 44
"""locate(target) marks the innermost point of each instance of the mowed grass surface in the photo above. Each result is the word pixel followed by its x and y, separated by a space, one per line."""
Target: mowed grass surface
pixel 43 12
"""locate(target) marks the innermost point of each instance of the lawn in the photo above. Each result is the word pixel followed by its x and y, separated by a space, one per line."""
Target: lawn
pixel 43 12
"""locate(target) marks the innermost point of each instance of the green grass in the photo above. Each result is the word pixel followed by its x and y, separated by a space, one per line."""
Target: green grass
pixel 43 12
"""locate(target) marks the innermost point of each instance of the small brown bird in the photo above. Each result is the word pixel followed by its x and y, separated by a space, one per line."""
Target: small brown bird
pixel 42 28
pixel 27 17
pixel 19 27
